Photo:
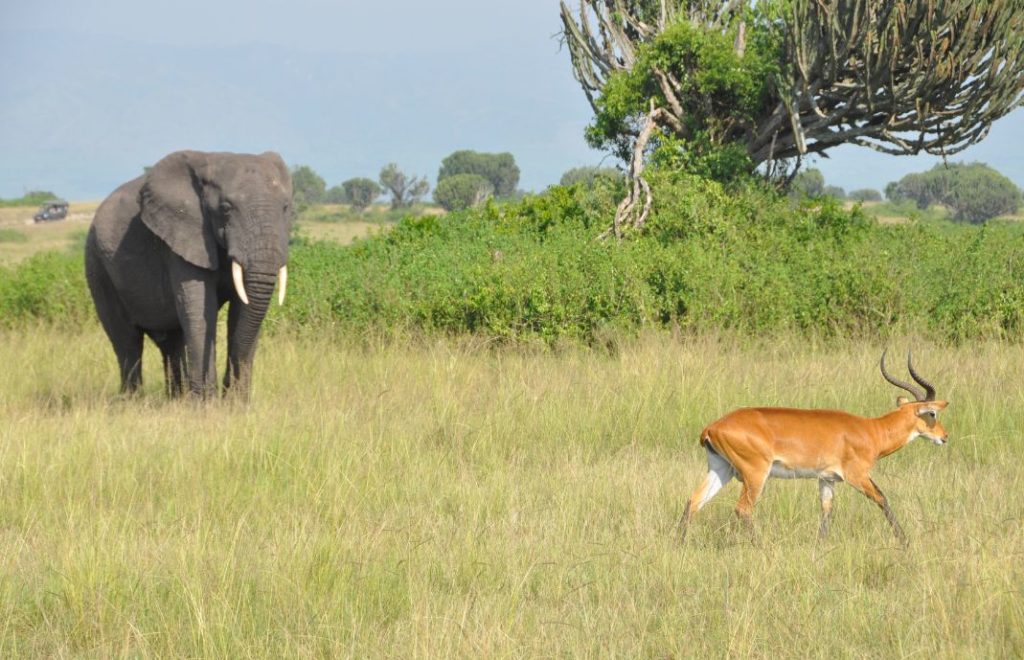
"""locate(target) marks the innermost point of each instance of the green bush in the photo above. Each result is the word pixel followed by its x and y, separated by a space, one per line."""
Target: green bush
pixel 462 191
pixel 12 236
pixel 587 176
pixel 31 198
pixel 712 257
pixel 49 287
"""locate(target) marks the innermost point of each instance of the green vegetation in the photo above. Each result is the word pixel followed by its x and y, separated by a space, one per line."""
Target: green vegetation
pixel 865 195
pixel 405 190
pixel 308 187
pixel 360 192
pixel 734 85
pixel 499 169
pixel 713 258
pixel 32 198
pixel 974 192
pixel 808 183
pixel 588 176
pixel 462 191
pixel 12 236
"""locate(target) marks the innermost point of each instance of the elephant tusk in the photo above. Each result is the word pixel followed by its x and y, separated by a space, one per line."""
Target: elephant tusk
pixel 236 275
pixel 282 283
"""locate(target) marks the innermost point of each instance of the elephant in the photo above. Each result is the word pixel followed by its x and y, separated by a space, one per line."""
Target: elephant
pixel 166 250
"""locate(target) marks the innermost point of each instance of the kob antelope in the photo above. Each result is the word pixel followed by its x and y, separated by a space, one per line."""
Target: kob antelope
pixel 753 444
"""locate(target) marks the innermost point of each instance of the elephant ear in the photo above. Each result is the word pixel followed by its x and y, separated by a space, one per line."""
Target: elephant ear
pixel 282 169
pixel 172 208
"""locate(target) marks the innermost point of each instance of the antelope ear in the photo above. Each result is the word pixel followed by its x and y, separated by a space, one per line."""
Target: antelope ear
pixel 172 207
pixel 901 400
pixel 938 405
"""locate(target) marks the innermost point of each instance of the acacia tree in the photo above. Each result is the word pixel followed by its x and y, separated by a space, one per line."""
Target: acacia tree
pixel 731 85
pixel 404 190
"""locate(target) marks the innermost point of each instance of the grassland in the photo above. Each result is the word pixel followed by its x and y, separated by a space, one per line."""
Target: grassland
pixel 20 237
pixel 448 498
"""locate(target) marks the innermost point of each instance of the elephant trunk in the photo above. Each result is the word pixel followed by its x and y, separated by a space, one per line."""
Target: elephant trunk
pixel 244 321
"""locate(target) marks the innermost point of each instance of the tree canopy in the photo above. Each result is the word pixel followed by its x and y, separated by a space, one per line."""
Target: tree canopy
pixel 973 192
pixel 360 192
pixel 729 85
pixel 308 187
pixel 404 190
pixel 462 191
pixel 498 168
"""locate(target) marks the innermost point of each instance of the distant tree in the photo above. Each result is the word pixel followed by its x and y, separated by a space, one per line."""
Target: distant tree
pixel 834 191
pixel 360 192
pixel 588 175
pixel 865 195
pixel 973 192
pixel 919 188
pixel 500 169
pixel 809 183
pixel 335 195
pixel 308 187
pixel 462 191
pixel 404 191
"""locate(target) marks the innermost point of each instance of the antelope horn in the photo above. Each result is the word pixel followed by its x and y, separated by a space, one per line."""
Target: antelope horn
pixel 929 390
pixel 236 276
pixel 898 383
pixel 282 283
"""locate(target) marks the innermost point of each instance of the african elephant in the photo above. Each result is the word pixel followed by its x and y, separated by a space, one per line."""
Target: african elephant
pixel 168 249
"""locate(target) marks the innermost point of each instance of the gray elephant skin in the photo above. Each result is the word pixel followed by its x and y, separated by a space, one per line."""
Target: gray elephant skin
pixel 168 249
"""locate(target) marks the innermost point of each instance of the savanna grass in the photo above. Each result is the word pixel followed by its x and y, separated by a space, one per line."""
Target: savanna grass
pixel 442 498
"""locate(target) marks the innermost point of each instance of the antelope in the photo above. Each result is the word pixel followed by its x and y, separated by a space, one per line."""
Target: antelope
pixel 753 444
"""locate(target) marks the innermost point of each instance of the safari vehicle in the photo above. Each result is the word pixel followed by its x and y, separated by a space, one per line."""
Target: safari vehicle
pixel 55 209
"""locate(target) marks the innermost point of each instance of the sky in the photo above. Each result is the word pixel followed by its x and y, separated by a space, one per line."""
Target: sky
pixel 93 90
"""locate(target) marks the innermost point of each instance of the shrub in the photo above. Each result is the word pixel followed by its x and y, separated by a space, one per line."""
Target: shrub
pixel 587 176
pixel 462 191
pixel 712 257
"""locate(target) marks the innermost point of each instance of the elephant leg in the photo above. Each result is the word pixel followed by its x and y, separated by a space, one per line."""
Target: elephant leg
pixel 196 299
pixel 124 336
pixel 172 348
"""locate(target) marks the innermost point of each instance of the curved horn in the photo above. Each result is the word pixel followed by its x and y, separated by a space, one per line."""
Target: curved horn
pixel 898 383
pixel 237 277
pixel 929 391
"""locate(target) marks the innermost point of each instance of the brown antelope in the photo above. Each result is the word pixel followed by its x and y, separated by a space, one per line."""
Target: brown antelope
pixel 753 444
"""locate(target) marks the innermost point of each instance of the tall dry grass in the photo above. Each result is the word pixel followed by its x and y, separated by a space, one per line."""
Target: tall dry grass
pixel 436 499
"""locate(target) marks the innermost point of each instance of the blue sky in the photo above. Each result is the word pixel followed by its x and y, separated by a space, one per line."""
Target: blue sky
pixel 92 90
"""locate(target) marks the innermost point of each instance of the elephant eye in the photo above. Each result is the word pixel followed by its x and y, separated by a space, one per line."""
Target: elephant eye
pixel 226 207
